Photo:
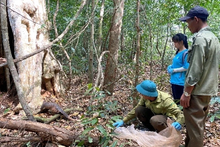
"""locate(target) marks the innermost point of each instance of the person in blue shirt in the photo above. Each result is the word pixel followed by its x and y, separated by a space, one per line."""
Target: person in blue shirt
pixel 177 69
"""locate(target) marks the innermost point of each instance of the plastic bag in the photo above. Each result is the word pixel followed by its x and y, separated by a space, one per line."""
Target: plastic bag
pixel 168 137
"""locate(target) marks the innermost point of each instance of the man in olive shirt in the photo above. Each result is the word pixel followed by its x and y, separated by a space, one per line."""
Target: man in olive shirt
pixel 154 108
pixel 201 81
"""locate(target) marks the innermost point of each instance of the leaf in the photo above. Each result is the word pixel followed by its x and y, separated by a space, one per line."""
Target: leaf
pixel 97 88
pixel 110 126
pixel 102 130
pixel 87 130
pixel 212 118
pixel 80 143
pixel 102 115
pixel 94 121
pixel 89 85
pixel 116 118
pixel 114 144
pixel 7 110
pixel 89 88
pixel 104 141
pixel 217 115
pixel 90 139
pixel 86 121
pixel 28 144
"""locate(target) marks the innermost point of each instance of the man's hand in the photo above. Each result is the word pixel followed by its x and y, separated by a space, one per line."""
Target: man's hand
pixel 184 101
pixel 118 123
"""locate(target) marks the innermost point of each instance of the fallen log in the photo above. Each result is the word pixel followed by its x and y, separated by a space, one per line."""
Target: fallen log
pixel 46 132
pixel 19 139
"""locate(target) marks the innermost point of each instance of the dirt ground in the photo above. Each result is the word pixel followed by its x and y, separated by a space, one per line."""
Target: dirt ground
pixel 75 98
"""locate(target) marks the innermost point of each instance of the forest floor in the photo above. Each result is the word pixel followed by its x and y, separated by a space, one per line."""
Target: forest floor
pixel 76 97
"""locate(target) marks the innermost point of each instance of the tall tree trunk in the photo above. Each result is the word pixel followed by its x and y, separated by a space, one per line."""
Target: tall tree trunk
pixel 137 51
pixel 100 27
pixel 114 43
pixel 26 19
pixel 165 47
pixel 138 43
pixel 91 76
pixel 17 81
pixel 2 70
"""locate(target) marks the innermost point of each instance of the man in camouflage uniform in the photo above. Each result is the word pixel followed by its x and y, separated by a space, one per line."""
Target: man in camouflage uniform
pixel 154 108
pixel 201 81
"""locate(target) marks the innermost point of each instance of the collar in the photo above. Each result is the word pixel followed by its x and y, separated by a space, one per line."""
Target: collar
pixel 158 99
pixel 207 28
pixel 204 29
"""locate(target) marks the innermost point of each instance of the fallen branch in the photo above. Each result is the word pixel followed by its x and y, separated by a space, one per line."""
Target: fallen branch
pixel 4 139
pixel 46 132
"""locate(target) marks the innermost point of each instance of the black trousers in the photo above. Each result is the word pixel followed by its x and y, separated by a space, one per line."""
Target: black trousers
pixel 177 91
pixel 149 120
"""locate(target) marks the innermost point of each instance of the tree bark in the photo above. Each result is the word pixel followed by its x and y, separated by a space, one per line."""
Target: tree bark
pixel 11 65
pixel 134 95
pixel 3 71
pixel 91 48
pixel 47 132
pixel 100 27
pixel 165 47
pixel 114 43
pixel 26 20
pixel 19 139
pixel 138 43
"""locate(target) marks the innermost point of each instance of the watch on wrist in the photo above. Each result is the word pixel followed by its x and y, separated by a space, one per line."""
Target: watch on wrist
pixel 186 93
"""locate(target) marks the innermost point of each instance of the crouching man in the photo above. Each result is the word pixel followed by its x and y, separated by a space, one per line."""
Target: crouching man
pixel 154 108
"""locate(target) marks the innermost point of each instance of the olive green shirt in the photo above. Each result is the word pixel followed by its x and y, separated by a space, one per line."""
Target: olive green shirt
pixel 163 105
pixel 203 60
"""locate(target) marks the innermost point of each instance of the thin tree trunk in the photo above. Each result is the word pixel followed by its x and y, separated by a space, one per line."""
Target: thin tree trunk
pixel 8 81
pixel 151 43
pixel 137 52
pixel 90 72
pixel 10 62
pixel 100 27
pixel 164 50
pixel 114 43
pixel 122 40
pixel 138 43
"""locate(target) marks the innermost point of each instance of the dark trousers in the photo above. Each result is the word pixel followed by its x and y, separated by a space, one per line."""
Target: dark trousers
pixel 195 117
pixel 149 120
pixel 177 91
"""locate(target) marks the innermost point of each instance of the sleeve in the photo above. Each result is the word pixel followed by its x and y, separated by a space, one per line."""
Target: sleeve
pixel 196 64
pixel 131 114
pixel 181 69
pixel 173 111
pixel 186 64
